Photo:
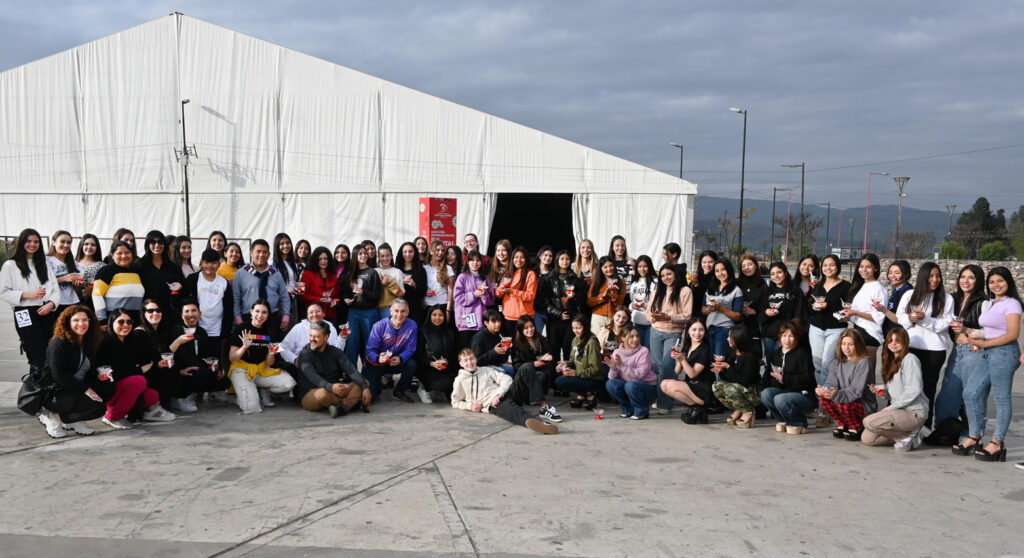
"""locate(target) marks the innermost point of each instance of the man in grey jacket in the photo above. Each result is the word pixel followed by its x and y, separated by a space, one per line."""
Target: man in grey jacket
pixel 328 378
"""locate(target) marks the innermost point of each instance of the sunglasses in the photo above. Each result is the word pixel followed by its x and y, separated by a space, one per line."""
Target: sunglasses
pixel 123 322
pixel 154 311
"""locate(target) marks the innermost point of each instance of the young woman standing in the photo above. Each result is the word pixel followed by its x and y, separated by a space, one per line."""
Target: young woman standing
pixel 670 310
pixel 453 257
pixel 640 292
pixel 414 281
pixel 586 266
pixel 545 265
pixel 926 312
pixel 473 294
pixel 118 285
pixel 1000 321
pixel 440 279
pixel 284 261
pixel 422 250
pixel 320 280
pixel 824 302
pixel 606 293
pixel 868 298
pixel 217 241
pixel 785 304
pixel 90 260
pixel 302 251
pixel 233 261
pixel 899 280
pixel 161 278
pixel 500 263
pixel 722 306
pixel 964 358
pixel 566 296
pixel 182 256
pixel 361 295
pixel 518 293
pixel 392 281
pixel 755 297
pixel 807 273
pixel 65 269
pixel 619 255
pixel 28 285
pixel 705 276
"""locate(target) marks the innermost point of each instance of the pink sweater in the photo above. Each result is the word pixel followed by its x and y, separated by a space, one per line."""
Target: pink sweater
pixel 636 366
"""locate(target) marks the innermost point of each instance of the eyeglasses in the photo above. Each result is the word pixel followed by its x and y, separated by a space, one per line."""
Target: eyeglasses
pixel 154 311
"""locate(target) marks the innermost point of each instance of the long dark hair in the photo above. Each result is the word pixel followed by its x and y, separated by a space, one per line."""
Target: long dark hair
pixel 400 260
pixel 526 266
pixel 153 236
pixel 704 279
pixel 649 279
pixel 457 267
pixel 585 322
pixel 611 248
pixel 961 297
pixel 858 281
pixel 313 263
pixel 176 256
pixel 541 250
pixel 222 235
pixel 747 282
pixel 819 289
pixel 787 281
pixel 280 259
pixel 921 289
pixel 815 271
pixel 598 280
pixel 687 342
pixel 522 343
pixel 161 334
pixel 554 263
pixel 98 256
pixel 38 259
pixel 730 282
pixel 69 258
pixel 741 341
pixel 677 286
pixel 1011 286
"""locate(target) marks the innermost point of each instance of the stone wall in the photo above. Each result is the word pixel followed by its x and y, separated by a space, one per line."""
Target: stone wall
pixel 951 269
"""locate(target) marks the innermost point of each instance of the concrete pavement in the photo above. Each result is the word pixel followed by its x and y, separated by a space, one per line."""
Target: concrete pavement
pixel 427 480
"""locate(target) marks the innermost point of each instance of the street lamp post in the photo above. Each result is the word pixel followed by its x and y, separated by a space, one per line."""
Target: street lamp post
pixel 743 172
pixel 680 146
pixel 867 208
pixel 949 230
pixel 852 221
pixel 183 157
pixel 901 183
pixel 801 221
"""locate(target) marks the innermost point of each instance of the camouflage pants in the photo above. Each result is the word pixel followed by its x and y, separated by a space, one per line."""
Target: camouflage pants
pixel 736 397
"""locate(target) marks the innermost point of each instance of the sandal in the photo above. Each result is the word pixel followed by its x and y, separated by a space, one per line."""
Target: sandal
pixel 853 435
pixel 576 403
pixel 963 449
pixel 839 432
pixel 997 455
pixel 590 403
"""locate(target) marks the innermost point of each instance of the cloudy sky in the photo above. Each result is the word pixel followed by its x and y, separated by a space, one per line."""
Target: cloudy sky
pixel 931 90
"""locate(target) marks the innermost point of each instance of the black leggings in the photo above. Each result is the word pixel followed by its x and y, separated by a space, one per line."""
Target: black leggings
pixel 35 333
pixel 560 337
pixel 931 366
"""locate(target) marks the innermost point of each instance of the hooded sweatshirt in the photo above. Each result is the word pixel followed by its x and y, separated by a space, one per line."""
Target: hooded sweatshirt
pixel 636 366
pixel 481 386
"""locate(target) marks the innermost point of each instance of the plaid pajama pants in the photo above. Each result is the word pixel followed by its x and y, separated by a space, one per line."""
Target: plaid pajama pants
pixel 849 415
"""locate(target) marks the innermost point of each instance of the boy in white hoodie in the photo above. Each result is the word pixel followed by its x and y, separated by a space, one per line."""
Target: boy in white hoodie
pixel 482 390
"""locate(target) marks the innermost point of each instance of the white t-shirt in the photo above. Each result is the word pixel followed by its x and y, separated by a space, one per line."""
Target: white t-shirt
pixel 211 303
pixel 440 291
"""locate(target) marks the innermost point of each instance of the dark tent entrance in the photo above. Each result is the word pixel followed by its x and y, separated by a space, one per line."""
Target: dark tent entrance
pixel 533 220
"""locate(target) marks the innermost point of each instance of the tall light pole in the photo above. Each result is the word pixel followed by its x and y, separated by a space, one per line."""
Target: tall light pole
pixel 852 221
pixel 743 171
pixel 949 230
pixel 901 183
pixel 828 219
pixel 680 146
pixel 183 156
pixel 801 221
pixel 867 208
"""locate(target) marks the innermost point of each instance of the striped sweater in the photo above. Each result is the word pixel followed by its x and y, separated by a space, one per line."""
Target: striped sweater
pixel 116 287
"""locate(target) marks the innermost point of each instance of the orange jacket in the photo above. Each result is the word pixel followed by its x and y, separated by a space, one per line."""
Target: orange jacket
pixel 607 300
pixel 515 302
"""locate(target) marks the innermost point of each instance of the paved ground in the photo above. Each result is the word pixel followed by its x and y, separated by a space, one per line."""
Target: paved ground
pixel 419 480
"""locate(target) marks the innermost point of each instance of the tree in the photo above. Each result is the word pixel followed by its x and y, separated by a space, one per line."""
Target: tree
pixel 996 250
pixel 979 225
pixel 953 250
pixel 804 223
pixel 917 244
pixel 1015 232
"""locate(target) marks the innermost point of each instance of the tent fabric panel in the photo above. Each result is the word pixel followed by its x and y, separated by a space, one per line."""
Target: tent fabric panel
pixel 45 213
pixel 647 222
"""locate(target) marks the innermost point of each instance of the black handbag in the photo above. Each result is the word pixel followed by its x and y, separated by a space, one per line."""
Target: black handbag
pixel 36 387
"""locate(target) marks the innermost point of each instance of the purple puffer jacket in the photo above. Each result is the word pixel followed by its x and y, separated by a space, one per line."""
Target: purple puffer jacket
pixel 468 308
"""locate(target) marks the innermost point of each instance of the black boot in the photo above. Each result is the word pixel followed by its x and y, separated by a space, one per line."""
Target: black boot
pixel 698 415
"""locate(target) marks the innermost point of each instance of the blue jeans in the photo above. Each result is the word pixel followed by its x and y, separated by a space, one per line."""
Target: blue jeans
pixel 383 313
pixel 634 397
pixel 961 365
pixel 823 350
pixel 645 335
pixel 579 386
pixel 373 375
pixel 788 406
pixel 996 371
pixel 718 340
pixel 539 320
pixel 664 365
pixel 771 344
pixel 359 324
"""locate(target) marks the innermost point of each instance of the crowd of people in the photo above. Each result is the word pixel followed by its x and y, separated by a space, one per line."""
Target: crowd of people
pixel 124 338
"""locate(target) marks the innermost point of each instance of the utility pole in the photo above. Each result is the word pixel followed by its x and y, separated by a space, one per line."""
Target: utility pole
pixel 801 222
pixel 949 230
pixel 901 183
pixel 852 221
pixel 771 251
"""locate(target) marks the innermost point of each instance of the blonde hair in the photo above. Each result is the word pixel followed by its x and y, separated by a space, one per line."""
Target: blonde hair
pixel 441 265
pixel 578 265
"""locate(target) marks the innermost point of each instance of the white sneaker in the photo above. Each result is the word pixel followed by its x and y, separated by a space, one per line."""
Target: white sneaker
pixel 54 428
pixel 265 399
pixel 184 405
pixel 119 424
pixel 158 414
pixel 80 428
pixel 424 396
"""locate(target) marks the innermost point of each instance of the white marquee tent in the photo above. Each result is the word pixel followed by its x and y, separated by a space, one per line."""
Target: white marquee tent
pixel 285 141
